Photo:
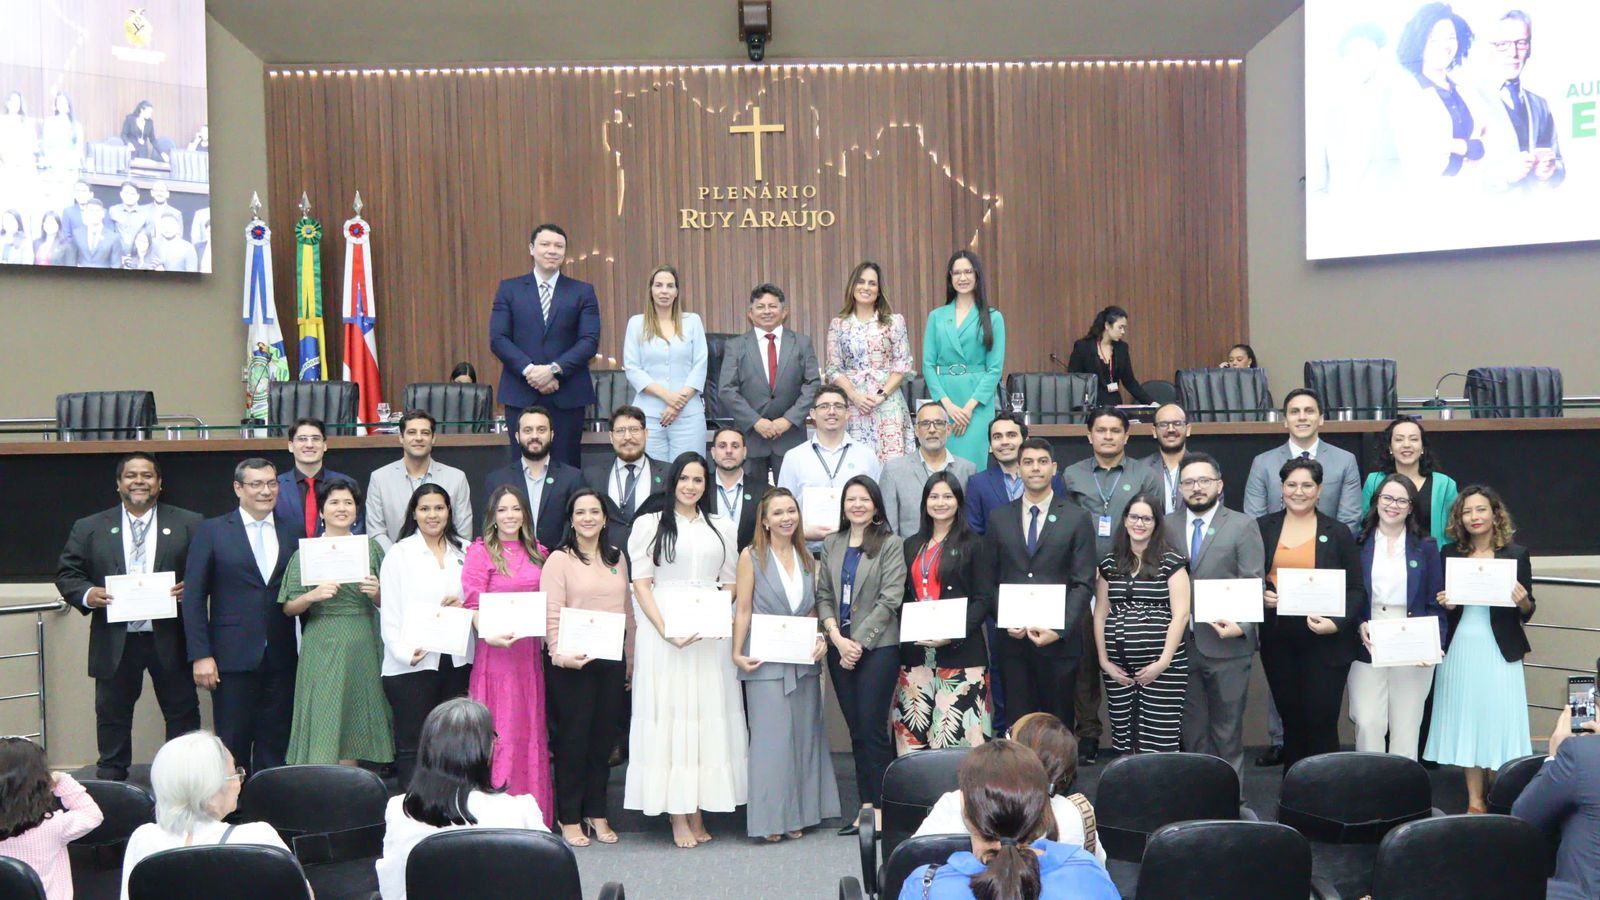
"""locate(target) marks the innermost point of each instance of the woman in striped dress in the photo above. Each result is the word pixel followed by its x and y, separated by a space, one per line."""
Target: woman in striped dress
pixel 1141 610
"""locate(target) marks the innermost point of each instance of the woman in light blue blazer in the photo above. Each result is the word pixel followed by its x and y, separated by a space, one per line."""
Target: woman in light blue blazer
pixel 664 356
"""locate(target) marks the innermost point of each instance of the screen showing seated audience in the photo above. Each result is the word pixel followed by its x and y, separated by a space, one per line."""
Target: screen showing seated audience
pixel 1448 126
pixel 104 145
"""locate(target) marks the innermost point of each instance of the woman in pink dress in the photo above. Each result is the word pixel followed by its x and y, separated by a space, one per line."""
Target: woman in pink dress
pixel 868 355
pixel 508 674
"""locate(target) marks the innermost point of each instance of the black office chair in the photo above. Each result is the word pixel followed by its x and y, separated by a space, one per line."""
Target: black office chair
pixel 1366 387
pixel 97 856
pixel 1344 803
pixel 1140 793
pixel 1228 860
pixel 1512 779
pixel 1224 395
pixel 105 415
pixel 1483 857
pixel 1055 398
pixel 334 402
pixel 1514 392
pixel 237 871
pixel 332 817
pixel 930 849
pixel 18 881
pixel 449 401
pixel 1162 392
pixel 496 864
pixel 912 784
pixel 716 350
pixel 611 390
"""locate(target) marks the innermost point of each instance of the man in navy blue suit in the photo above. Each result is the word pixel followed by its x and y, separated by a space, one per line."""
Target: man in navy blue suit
pixel 547 484
pixel 309 479
pixel 1001 483
pixel 545 327
pixel 1564 801
pixel 240 642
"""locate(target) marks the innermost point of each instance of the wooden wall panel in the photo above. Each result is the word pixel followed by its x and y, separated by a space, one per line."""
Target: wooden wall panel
pixel 1079 183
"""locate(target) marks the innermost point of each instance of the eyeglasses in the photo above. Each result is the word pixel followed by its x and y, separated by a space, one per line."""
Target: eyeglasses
pixel 238 772
pixel 933 424
pixel 257 485
pixel 1188 483
pixel 1503 46
pixel 1141 520
pixel 628 431
pixel 1172 426
pixel 1393 502
pixel 830 407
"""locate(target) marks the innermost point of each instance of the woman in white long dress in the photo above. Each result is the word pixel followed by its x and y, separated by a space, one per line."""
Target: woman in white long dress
pixel 687 747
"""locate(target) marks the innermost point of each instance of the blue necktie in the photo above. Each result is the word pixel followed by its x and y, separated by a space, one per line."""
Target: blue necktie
pixel 1194 541
pixel 1033 530
pixel 258 546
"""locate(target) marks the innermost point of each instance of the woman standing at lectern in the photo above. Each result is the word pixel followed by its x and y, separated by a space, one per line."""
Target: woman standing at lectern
pixel 868 355
pixel 1103 352
pixel 963 354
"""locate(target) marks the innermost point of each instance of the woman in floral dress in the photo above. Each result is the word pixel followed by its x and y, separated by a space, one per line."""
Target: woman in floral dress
pixel 868 355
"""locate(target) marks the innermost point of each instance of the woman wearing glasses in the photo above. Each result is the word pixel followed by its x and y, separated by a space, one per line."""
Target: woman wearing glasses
pixel 1141 611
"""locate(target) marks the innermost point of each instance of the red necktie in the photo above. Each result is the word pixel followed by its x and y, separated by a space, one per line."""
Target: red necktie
pixel 772 361
pixel 311 507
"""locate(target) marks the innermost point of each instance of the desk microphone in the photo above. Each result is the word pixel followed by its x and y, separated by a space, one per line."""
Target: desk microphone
pixel 1439 402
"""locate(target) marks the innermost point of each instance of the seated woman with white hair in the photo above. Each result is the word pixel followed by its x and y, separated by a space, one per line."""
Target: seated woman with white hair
pixel 196 785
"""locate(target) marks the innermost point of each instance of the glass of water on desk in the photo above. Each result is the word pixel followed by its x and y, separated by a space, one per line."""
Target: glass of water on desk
pixel 1017 403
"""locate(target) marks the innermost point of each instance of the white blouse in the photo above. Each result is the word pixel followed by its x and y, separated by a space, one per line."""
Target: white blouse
pixel 794 585
pixel 706 552
pixel 411 577
pixel 402 833
pixel 1388 578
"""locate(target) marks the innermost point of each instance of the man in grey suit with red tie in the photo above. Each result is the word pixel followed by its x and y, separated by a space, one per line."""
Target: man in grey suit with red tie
pixel 545 327
pixel 769 377
pixel 241 644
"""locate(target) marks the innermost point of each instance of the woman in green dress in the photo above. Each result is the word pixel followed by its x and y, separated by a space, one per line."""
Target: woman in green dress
pixel 340 714
pixel 963 354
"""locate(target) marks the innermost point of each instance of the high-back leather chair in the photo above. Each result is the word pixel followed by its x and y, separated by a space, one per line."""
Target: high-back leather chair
pixel 1055 398
pixel 1514 392
pixel 334 402
pixel 1485 857
pixel 716 349
pixel 611 390
pixel 912 784
pixel 332 817
pixel 1136 796
pixel 105 415
pixel 237 871
pixel 930 849
pixel 914 390
pixel 1224 395
pixel 1202 861
pixel 450 401
pixel 1161 392
pixel 1512 779
pixel 1344 803
pixel 495 864
pixel 18 881
pixel 97 856
pixel 1368 387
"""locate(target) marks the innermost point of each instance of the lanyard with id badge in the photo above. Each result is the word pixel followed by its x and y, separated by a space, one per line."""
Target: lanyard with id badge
pixel 1103 521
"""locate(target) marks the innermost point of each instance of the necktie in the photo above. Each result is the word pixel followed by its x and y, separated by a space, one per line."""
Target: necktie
pixel 311 507
pixel 1196 538
pixel 772 361
pixel 1033 530
pixel 258 545
pixel 1305 454
pixel 628 488
pixel 545 291
pixel 137 564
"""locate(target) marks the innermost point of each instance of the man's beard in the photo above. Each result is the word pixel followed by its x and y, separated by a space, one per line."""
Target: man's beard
pixel 535 455
pixel 1202 510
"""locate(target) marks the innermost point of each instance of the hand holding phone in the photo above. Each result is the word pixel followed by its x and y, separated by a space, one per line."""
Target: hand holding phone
pixel 1581 701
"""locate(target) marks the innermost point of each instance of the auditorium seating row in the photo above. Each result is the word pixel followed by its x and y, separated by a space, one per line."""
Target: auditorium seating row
pixel 1365 388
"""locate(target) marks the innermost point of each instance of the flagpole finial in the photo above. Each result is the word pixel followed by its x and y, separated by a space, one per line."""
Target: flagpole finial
pixel 357 204
pixel 305 205
pixel 255 205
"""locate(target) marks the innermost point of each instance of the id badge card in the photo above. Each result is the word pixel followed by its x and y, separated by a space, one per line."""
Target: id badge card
pixel 1103 526
pixel 1112 387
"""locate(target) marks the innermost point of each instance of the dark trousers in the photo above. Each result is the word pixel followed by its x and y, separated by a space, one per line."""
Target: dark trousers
pixel 566 446
pixel 252 712
pixel 999 716
pixel 412 696
pixel 115 697
pixel 1308 692
pixel 1086 696
pixel 865 694
pixel 1035 682
pixel 589 704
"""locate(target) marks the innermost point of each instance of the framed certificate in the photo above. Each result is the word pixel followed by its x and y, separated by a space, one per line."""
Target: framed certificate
pixel 703 612
pixel 520 614
pixel 1404 642
pixel 437 629
pixel 933 620
pixel 591 633
pixel 335 560
pixel 138 598
pixel 1032 606
pixel 1229 599
pixel 1480 582
pixel 783 639
pixel 1311 592
pixel 820 507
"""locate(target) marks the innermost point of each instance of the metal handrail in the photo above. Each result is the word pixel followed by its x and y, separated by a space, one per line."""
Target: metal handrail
pixel 38 610
pixel 1562 581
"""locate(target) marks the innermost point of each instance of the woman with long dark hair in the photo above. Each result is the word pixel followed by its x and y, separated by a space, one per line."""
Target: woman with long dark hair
pixel 867 355
pixel 942 697
pixel 1403 450
pixel 687 747
pixel 422 569
pixel 1104 352
pixel 139 131
pixel 860 585
pixel 41 812
pixel 586 571
pixel 452 788
pixel 963 355
pixel 1005 804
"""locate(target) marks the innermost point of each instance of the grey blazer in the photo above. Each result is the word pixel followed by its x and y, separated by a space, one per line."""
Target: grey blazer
pixel 1341 484
pixel 742 385
pixel 1231 549
pixel 770 599
pixel 875 601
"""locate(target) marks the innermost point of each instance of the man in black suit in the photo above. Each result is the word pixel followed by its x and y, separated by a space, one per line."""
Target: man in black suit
pixel 241 644
pixel 1042 538
pixel 546 483
pixel 138 536
pixel 739 493
pixel 631 481
pixel 95 246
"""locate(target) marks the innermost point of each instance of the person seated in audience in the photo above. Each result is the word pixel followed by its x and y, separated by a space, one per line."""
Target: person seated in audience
pixel 1103 352
pixel 1563 800
pixel 1005 805
pixel 464 373
pixel 1050 739
pixel 1241 356
pixel 202 139
pixel 1403 450
pixel 451 788
pixel 41 812
pixel 196 784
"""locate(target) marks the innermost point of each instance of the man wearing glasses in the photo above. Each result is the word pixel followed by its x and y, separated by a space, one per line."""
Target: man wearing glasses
pixel 300 488
pixel 1219 543
pixel 814 469
pixel 1528 152
pixel 905 476
pixel 1171 428
pixel 630 481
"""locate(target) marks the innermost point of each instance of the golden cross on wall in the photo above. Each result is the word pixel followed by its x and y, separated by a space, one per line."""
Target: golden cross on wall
pixel 755 129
